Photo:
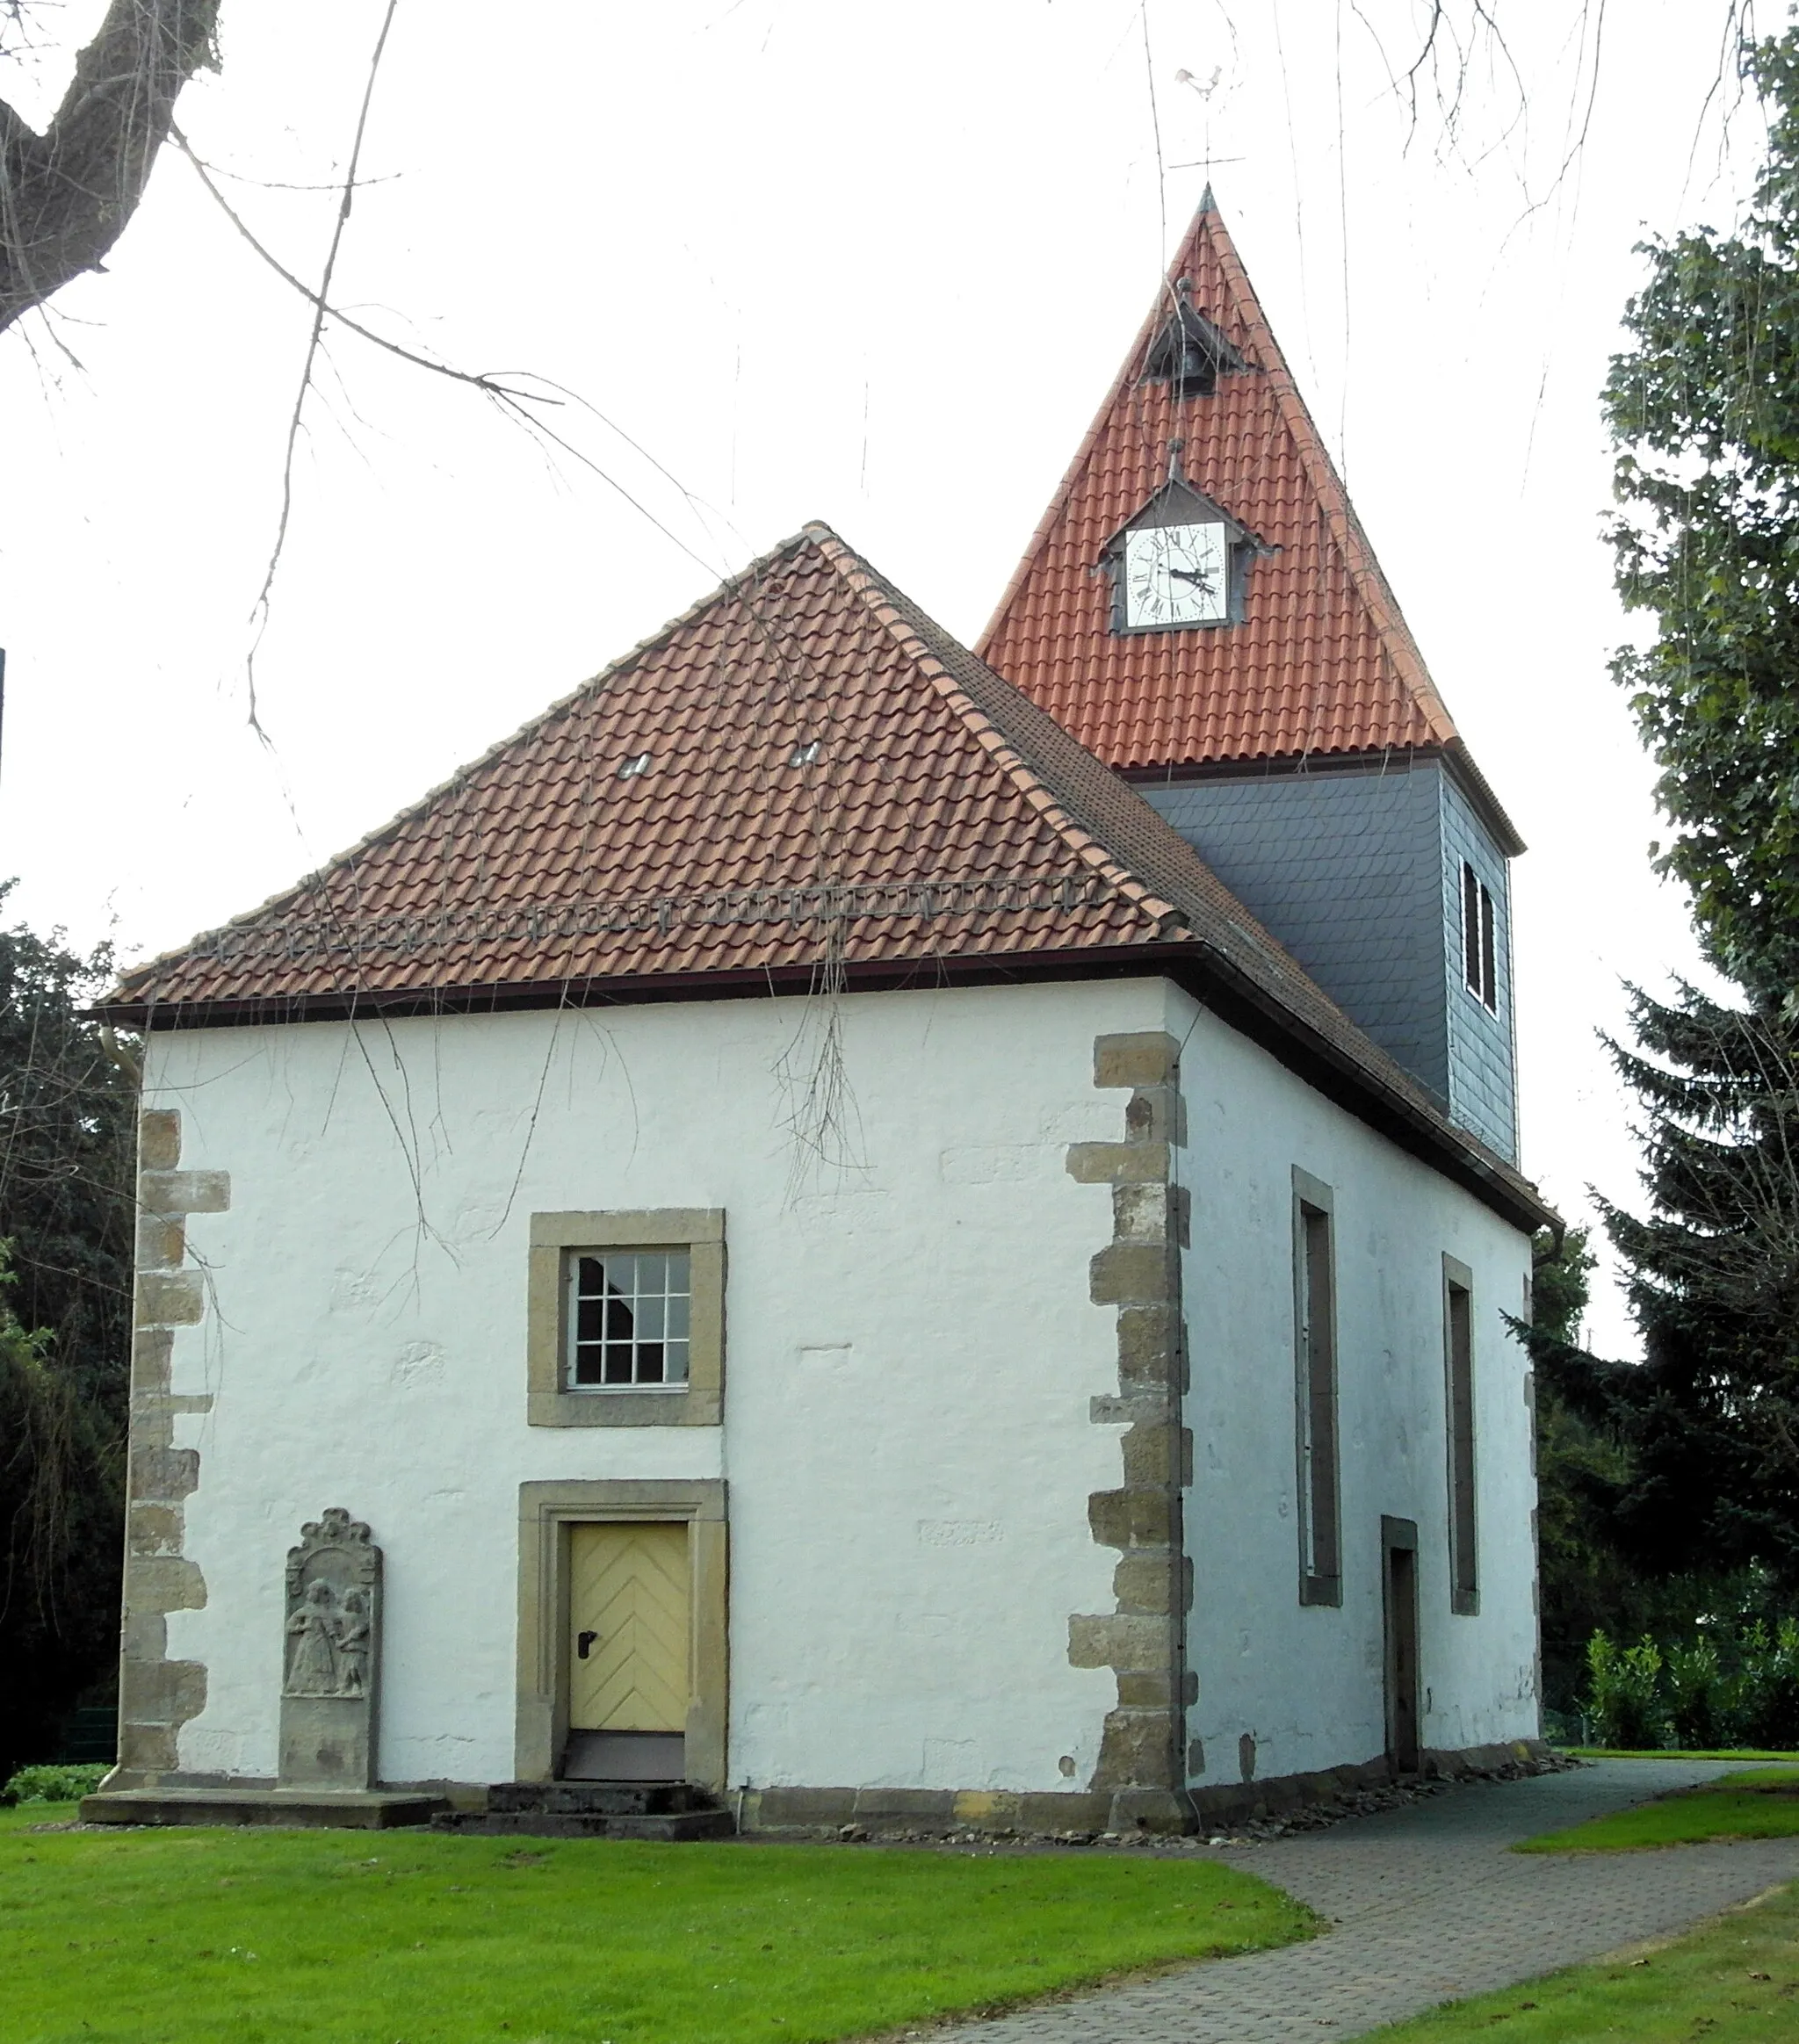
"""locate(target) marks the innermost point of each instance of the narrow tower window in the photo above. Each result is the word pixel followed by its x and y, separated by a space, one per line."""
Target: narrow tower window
pixel 1479 944
pixel 1458 1362
pixel 1315 1346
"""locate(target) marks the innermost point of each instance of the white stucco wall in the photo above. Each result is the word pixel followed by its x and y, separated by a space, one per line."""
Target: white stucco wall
pixel 1307 1682
pixel 910 1356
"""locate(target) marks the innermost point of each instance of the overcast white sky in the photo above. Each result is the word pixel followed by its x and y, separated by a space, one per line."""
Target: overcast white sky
pixel 876 265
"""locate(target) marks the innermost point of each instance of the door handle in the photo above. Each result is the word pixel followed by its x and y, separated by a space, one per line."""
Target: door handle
pixel 583 1645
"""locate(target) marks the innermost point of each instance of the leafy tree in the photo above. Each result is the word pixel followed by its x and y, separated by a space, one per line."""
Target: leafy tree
pixel 67 1115
pixel 1703 407
pixel 1561 1272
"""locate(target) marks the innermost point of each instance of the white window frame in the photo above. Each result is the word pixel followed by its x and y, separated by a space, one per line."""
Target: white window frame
pixel 664 1300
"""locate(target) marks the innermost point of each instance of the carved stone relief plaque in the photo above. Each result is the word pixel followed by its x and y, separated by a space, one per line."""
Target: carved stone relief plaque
pixel 331 1633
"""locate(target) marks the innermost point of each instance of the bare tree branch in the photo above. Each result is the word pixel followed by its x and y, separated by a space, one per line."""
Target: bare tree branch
pixel 66 195
pixel 502 389
pixel 259 610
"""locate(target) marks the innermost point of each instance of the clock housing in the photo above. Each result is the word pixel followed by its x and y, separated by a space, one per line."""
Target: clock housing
pixel 1181 562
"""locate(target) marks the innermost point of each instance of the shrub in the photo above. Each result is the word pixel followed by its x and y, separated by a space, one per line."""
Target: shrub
pixel 53 1784
pixel 1622 1692
pixel 1699 1698
pixel 1768 1685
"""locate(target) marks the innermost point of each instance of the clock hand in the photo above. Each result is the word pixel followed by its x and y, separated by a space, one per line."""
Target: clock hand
pixel 1189 574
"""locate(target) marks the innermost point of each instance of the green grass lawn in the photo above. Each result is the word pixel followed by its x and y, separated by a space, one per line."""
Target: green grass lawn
pixel 1760 1803
pixel 235 1937
pixel 1672 1753
pixel 1731 1981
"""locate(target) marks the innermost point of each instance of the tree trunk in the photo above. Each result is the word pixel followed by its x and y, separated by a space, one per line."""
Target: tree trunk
pixel 66 195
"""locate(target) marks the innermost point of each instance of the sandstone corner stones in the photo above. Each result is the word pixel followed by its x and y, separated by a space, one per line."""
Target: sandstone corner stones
pixel 157 1696
pixel 1142 1763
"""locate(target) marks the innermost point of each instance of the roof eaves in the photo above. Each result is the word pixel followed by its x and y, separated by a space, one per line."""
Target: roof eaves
pixel 1478 789
pixel 1399 1108
pixel 1205 969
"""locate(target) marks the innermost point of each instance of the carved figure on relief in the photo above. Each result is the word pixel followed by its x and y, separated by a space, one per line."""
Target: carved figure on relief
pixel 312 1648
pixel 331 1578
pixel 353 1644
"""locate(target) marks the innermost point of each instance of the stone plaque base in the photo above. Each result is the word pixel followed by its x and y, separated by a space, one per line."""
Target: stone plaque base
pixel 325 1743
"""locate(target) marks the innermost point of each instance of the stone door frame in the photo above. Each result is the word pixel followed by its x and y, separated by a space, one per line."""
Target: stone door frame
pixel 546 1513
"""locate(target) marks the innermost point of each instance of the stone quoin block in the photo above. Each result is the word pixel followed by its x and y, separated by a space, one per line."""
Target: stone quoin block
pixel 1144 1582
pixel 165 1583
pixel 1118 1163
pixel 1132 1273
pixel 155 1528
pixel 163 1692
pixel 158 1139
pixel 1126 1518
pixel 1149 1346
pixel 170 1299
pixel 1150 1057
pixel 1144 1214
pixel 184 1192
pixel 1117 1640
pixel 1155 1114
pixel 1157 1454
pixel 162 1242
pixel 164 1473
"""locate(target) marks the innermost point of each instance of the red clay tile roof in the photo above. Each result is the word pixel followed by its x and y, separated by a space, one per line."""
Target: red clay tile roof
pixel 915 831
pixel 1322 662
pixel 944 824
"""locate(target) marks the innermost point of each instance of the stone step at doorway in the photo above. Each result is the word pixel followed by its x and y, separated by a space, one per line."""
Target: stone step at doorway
pixel 672 1811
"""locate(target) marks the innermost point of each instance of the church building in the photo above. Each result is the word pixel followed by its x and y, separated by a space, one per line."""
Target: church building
pixel 844 1230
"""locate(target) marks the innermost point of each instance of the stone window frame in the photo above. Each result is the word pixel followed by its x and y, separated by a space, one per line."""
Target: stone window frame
pixel 1461 1439
pixel 549 1401
pixel 1319 1483
pixel 547 1511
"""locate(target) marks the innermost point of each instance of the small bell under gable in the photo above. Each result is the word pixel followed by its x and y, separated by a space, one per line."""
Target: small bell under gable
pixel 1189 353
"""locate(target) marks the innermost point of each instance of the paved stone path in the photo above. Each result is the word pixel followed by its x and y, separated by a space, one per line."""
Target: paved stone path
pixel 1428 1905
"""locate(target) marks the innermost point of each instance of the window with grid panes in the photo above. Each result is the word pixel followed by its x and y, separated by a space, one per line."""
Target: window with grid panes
pixel 628 1319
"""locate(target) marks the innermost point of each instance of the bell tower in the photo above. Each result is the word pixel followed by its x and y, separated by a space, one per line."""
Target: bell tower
pixel 1201 607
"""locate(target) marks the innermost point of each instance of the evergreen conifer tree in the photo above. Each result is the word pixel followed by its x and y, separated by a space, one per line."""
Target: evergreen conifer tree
pixel 1685 1469
pixel 67 1142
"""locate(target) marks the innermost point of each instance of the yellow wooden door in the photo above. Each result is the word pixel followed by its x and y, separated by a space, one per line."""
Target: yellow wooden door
pixel 629 1626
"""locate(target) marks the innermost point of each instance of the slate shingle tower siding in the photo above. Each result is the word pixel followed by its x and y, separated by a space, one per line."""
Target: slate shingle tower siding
pixel 1345 866
pixel 1301 748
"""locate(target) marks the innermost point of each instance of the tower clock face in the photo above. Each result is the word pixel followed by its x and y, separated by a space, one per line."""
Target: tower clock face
pixel 1176 575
